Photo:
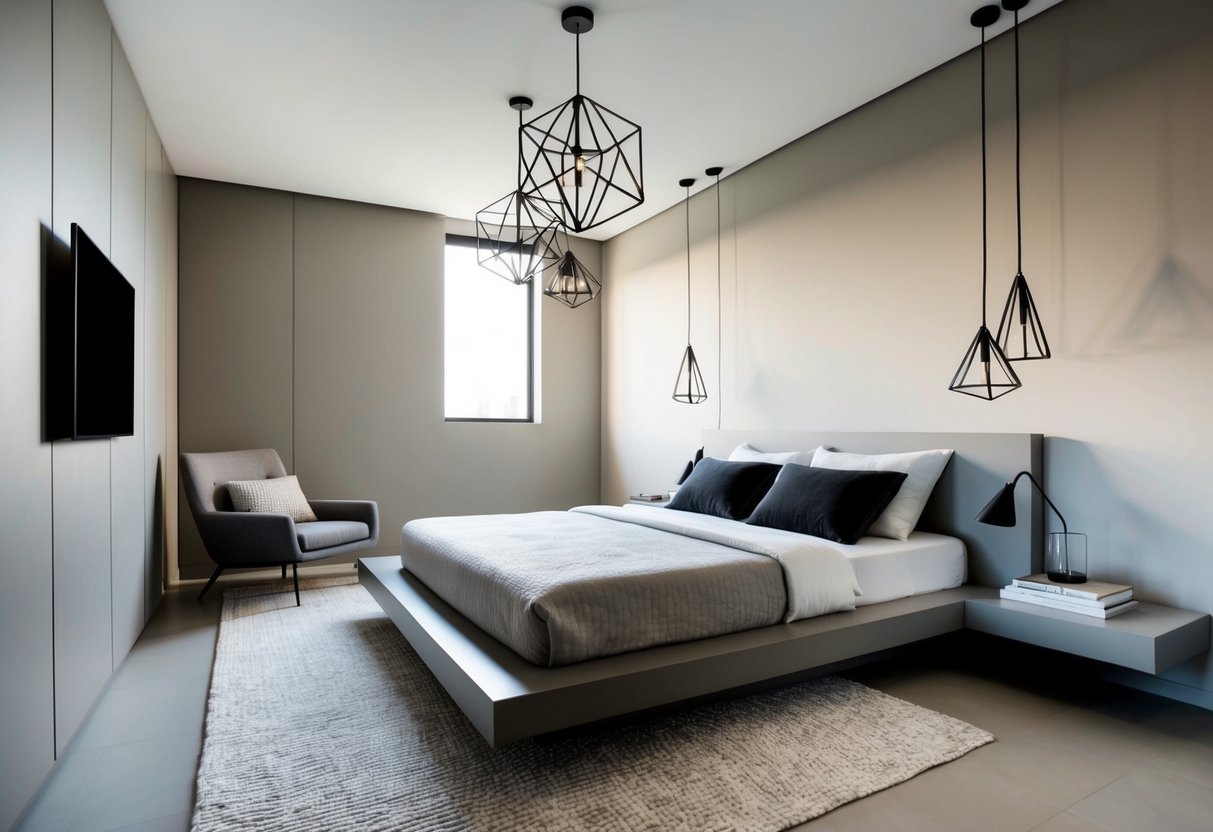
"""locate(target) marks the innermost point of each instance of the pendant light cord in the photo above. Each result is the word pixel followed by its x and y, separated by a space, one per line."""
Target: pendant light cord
pixel 520 150
pixel 984 221
pixel 518 194
pixel 687 202
pixel 719 324
pixel 1018 199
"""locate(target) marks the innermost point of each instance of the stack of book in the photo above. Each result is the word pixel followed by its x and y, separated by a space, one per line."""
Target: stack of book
pixel 1094 598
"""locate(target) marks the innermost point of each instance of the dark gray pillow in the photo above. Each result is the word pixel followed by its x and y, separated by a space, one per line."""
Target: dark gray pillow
pixel 826 502
pixel 724 489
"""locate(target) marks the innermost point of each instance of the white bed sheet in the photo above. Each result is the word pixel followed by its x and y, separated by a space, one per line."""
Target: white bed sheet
pixel 888 569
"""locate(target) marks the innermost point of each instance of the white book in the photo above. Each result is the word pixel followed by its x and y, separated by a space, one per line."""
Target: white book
pixel 1099 603
pixel 1059 602
pixel 1102 591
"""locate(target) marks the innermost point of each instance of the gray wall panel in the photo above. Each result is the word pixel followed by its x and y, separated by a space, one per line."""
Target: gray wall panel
pixel 83 621
pixel 127 515
pixel 235 337
pixel 27 742
pixel 368 332
pixel 64 504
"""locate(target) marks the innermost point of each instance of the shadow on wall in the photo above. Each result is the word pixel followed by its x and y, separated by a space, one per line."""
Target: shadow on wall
pixel 56 268
pixel 155 553
pixel 1164 303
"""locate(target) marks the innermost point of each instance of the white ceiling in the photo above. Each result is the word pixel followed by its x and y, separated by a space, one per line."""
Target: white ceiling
pixel 403 102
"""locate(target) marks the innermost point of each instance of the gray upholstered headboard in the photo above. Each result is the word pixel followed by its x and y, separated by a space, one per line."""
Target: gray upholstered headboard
pixel 983 462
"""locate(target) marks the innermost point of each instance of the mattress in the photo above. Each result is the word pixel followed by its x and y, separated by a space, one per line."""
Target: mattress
pixel 889 569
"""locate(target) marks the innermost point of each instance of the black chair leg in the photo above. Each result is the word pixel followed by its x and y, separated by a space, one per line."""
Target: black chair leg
pixel 295 573
pixel 284 571
pixel 211 582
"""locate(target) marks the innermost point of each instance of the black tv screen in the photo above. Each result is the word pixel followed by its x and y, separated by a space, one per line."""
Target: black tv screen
pixel 92 345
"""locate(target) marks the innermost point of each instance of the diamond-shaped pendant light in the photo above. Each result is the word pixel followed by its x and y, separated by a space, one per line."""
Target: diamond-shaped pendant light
pixel 513 233
pixel 568 280
pixel 689 387
pixel 1021 336
pixel 984 372
pixel 581 155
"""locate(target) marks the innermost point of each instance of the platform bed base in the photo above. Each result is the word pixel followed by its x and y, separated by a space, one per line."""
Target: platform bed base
pixel 507 698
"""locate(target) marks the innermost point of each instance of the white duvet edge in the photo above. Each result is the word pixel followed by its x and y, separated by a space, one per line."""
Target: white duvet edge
pixel 817 578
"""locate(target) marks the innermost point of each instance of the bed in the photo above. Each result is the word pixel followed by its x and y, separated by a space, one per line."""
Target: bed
pixel 564 587
pixel 727 624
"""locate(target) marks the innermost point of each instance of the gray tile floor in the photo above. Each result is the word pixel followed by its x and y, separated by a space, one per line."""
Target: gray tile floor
pixel 1072 755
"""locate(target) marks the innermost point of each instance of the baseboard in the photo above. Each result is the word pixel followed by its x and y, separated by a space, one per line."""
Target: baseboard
pixel 319 570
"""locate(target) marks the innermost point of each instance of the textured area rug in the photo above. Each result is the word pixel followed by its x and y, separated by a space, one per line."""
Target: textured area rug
pixel 321 717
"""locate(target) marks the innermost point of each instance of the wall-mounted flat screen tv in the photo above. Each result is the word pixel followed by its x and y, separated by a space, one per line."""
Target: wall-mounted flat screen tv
pixel 91 346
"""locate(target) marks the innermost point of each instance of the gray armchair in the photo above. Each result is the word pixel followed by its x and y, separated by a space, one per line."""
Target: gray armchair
pixel 245 539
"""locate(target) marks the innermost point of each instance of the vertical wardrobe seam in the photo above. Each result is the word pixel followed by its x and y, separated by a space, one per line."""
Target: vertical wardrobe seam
pixel 294 360
pixel 111 255
pixel 54 680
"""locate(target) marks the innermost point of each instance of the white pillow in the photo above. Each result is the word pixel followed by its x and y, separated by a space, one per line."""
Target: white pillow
pixel 745 452
pixel 280 495
pixel 922 470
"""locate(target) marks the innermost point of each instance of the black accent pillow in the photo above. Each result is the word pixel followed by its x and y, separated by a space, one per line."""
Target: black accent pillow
pixel 825 502
pixel 724 489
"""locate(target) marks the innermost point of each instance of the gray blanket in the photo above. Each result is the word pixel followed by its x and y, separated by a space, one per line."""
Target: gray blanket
pixel 562 587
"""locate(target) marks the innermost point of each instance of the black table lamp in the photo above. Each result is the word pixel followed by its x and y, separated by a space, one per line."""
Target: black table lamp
pixel 1065 556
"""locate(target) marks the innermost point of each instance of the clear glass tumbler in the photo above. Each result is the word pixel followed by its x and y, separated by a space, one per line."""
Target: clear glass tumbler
pixel 1066 557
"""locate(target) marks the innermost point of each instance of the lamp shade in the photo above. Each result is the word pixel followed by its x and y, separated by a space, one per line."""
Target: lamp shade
pixel 570 282
pixel 1000 511
pixel 689 387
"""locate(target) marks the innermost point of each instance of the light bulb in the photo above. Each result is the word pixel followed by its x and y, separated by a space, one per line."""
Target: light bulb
pixel 580 170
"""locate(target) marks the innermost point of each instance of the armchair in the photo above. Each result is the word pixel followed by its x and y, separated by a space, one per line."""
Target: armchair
pixel 242 540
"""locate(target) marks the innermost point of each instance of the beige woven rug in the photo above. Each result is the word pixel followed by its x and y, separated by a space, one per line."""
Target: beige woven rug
pixel 322 718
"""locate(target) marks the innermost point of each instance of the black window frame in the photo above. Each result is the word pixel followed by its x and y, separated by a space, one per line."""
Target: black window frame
pixel 470 242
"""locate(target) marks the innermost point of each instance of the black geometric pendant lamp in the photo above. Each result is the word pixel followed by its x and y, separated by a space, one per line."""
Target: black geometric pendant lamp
pixel 688 387
pixel 581 155
pixel 570 282
pixel 513 233
pixel 985 371
pixel 1020 332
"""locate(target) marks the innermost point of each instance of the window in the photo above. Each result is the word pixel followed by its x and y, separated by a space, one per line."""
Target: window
pixel 489 341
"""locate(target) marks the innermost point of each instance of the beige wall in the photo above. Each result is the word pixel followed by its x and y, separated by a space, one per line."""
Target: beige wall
pixel 314 326
pixel 851 285
pixel 81 535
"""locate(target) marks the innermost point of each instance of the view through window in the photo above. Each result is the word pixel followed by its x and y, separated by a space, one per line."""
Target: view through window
pixel 488 340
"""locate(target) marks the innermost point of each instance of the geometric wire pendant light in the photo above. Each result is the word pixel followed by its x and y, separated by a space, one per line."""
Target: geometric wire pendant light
pixel 688 386
pixel 570 282
pixel 514 232
pixel 1020 332
pixel 581 155
pixel 984 372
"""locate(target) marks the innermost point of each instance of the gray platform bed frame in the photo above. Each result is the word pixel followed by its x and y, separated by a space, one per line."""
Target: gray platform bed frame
pixel 508 698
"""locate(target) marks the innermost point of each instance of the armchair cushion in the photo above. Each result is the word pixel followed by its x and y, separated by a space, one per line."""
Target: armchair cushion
pixel 278 494
pixel 324 534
